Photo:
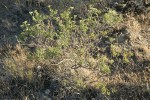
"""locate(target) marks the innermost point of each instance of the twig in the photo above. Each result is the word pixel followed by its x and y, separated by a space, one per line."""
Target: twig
pixel 62 62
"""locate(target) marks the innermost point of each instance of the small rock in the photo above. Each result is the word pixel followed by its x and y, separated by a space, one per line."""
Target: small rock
pixel 39 67
pixel 47 91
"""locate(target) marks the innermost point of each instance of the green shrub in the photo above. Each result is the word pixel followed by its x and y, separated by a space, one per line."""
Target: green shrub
pixel 61 34
pixel 117 51
pixel 103 88
pixel 103 64
pixel 61 31
pixel 112 17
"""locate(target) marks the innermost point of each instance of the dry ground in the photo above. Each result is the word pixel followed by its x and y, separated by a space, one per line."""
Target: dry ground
pixel 129 83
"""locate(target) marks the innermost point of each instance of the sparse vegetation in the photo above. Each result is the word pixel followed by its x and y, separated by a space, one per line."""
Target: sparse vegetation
pixel 72 49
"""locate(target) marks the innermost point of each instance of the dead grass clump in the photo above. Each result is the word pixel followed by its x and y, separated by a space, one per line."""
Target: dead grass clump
pixel 18 64
pixel 139 36
pixel 134 28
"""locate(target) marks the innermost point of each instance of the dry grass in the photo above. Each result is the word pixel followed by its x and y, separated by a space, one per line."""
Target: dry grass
pixel 17 64
pixel 137 27
pixel 76 69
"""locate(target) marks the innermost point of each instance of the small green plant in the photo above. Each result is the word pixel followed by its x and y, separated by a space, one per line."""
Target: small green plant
pixel 127 54
pixel 103 88
pixel 103 64
pixel 112 17
pixel 80 83
pixel 117 51
pixel 39 54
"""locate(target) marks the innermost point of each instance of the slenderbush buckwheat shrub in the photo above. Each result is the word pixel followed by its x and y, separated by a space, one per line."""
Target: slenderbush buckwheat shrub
pixel 58 33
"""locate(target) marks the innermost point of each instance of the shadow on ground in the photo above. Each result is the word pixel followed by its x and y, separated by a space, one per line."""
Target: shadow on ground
pixel 129 92
pixel 49 86
pixel 44 86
